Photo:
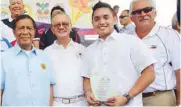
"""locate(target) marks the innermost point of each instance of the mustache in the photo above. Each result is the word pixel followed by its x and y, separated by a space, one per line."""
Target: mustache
pixel 145 17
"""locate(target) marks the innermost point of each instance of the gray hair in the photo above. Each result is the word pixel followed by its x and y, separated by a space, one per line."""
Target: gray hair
pixel 174 21
pixel 59 13
pixel 153 4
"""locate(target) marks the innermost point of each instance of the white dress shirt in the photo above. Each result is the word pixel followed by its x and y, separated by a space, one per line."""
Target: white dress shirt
pixel 164 43
pixel 66 65
pixel 122 55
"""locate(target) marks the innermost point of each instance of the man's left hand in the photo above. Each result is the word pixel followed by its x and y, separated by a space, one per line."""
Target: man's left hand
pixel 116 101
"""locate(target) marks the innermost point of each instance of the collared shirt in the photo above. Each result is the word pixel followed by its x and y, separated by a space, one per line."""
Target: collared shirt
pixel 129 28
pixel 66 66
pixel 164 43
pixel 122 55
pixel 25 78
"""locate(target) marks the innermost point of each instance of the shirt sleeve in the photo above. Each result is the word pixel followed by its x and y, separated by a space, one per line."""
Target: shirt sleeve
pixel 140 55
pixel 85 68
pixel 50 70
pixel 174 48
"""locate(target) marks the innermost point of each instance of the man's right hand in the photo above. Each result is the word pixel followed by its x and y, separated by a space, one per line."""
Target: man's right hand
pixel 91 99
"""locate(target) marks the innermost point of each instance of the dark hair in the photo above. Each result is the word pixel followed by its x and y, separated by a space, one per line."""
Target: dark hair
pixel 24 16
pixel 178 11
pixel 126 11
pixel 56 8
pixel 101 5
pixel 116 6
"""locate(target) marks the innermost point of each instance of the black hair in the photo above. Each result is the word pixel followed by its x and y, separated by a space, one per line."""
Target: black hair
pixel 101 5
pixel 116 6
pixel 24 16
pixel 126 11
pixel 56 8
pixel 178 11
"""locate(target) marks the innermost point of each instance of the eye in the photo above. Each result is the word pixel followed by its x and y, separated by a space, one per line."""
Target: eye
pixel 106 17
pixel 96 19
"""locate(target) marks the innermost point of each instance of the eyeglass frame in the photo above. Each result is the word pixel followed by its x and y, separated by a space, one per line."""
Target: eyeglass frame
pixel 145 10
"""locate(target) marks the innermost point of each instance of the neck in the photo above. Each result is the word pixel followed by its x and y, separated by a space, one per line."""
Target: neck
pixel 14 17
pixel 64 41
pixel 106 35
pixel 26 47
pixel 143 31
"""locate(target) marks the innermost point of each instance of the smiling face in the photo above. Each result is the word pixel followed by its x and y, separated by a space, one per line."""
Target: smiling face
pixel 103 22
pixel 61 25
pixel 16 8
pixel 24 33
pixel 143 14
pixel 124 18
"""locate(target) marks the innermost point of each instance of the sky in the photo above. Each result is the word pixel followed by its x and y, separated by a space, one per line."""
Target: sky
pixel 165 9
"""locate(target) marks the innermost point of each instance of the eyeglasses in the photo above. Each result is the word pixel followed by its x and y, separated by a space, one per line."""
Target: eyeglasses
pixel 64 24
pixel 145 10
pixel 122 17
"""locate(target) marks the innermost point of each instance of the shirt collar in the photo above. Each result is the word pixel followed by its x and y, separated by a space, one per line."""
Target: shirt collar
pixel 18 49
pixel 112 36
pixel 10 19
pixel 129 26
pixel 153 31
pixel 71 43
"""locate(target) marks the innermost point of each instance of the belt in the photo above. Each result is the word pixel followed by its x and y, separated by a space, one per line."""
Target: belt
pixel 149 94
pixel 70 100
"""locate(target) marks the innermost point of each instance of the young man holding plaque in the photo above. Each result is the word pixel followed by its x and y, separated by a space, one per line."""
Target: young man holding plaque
pixel 117 67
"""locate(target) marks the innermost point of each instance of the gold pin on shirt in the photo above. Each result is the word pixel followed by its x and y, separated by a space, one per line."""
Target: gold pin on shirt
pixel 43 66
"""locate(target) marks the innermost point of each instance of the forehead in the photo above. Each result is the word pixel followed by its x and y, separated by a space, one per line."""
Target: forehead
pixel 141 4
pixel 124 13
pixel 14 1
pixel 60 18
pixel 102 11
pixel 24 22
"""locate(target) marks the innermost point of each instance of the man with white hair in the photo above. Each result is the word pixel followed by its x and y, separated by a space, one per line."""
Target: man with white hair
pixel 165 46
pixel 16 8
pixel 66 56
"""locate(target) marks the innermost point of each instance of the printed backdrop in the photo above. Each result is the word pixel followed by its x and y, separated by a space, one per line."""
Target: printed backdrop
pixel 80 12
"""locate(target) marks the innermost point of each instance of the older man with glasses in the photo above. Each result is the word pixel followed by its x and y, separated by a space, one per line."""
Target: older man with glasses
pixel 125 20
pixel 165 46
pixel 66 56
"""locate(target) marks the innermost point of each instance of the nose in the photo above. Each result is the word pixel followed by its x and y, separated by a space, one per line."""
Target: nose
pixel 143 13
pixel 25 31
pixel 60 26
pixel 102 22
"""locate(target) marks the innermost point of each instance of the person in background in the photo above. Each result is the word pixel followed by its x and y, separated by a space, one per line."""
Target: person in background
pixel 164 44
pixel 116 10
pixel 26 73
pixel 48 37
pixel 125 20
pixel 16 8
pixel 175 23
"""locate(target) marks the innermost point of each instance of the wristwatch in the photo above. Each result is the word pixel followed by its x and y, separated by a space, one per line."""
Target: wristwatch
pixel 128 96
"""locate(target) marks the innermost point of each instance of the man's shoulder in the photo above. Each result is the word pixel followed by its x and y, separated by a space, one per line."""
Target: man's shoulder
pixel 167 33
pixel 49 48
